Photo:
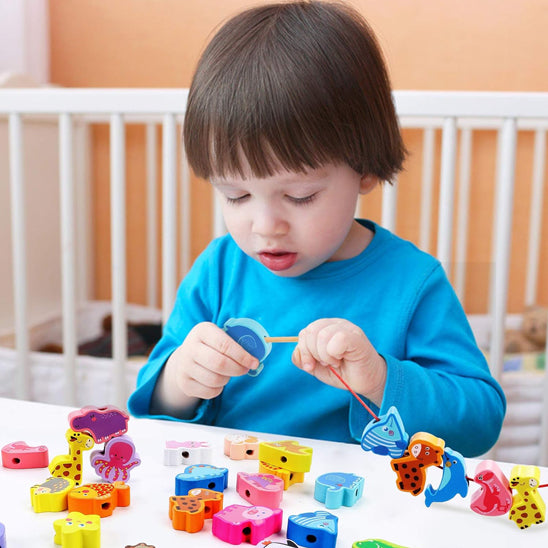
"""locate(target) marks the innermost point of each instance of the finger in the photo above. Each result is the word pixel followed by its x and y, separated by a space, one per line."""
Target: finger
pixel 216 362
pixel 216 339
pixel 196 389
pixel 207 377
pixel 307 349
pixel 331 344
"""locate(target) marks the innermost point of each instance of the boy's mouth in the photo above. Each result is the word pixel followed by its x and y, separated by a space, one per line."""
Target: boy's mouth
pixel 277 260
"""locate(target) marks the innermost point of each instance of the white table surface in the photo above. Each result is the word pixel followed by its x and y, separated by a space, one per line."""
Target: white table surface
pixel 383 511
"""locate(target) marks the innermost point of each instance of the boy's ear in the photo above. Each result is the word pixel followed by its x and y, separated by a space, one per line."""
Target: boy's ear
pixel 368 183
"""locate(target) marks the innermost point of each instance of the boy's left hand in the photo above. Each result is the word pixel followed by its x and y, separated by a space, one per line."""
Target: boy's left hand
pixel 344 346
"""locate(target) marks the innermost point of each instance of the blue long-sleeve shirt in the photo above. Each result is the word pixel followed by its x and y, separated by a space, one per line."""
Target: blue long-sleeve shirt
pixel 399 296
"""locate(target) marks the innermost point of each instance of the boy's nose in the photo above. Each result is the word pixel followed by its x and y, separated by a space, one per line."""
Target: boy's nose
pixel 269 223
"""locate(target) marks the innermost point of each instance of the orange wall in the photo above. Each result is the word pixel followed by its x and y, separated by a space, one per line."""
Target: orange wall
pixel 466 45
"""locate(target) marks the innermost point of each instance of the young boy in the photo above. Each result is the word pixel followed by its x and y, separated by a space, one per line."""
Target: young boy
pixel 290 116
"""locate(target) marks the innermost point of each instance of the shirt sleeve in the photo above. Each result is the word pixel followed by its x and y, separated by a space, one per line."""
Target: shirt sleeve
pixel 192 305
pixel 441 384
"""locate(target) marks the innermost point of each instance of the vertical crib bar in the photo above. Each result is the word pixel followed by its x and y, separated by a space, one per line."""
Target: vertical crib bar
pixel 535 226
pixel 152 215
pixel 169 207
pixel 447 190
pixel 83 198
pixel 535 217
pixel 118 254
pixel 428 142
pixel 543 450
pixel 463 208
pixel 68 261
pixel 389 205
pixel 502 240
pixel 218 222
pixel 185 221
pixel 19 247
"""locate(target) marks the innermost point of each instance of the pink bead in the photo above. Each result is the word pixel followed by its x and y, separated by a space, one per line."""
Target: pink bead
pixel 260 489
pixel 236 523
pixel 494 498
pixel 20 455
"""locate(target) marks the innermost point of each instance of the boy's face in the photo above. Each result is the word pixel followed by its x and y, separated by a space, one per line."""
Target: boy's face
pixel 293 222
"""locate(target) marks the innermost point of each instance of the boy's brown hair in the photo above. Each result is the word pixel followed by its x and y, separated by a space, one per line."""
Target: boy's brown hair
pixel 293 85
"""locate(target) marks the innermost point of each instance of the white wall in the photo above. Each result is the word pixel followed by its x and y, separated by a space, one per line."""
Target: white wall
pixel 24 38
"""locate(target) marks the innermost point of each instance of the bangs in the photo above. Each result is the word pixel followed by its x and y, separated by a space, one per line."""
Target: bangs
pixel 266 120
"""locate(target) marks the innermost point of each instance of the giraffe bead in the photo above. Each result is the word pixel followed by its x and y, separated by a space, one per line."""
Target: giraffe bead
pixel 528 508
pixel 70 466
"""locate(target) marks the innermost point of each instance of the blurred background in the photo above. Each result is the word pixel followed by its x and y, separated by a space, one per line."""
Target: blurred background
pixel 428 45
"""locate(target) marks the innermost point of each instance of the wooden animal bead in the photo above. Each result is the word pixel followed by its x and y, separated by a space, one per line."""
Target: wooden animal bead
pixel 251 336
pixel 287 454
pixel 289 478
pixel 386 436
pixel 20 455
pixel 375 543
pixel 336 489
pixel 453 480
pixel 99 498
pixel 70 466
pixel 260 489
pixel 494 497
pixel 241 446
pixel 236 523
pixel 186 452
pixel 528 508
pixel 188 512
pixel 318 529
pixel 116 460
pixel 78 530
pixel 102 423
pixel 201 475
pixel 51 495
pixel 140 545
pixel 424 450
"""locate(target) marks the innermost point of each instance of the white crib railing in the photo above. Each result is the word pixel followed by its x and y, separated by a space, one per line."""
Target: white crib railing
pixel 453 113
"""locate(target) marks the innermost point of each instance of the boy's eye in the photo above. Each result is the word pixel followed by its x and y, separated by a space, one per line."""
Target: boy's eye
pixel 237 199
pixel 302 201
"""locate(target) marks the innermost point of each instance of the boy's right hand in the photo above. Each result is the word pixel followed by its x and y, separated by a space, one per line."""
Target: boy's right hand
pixel 206 361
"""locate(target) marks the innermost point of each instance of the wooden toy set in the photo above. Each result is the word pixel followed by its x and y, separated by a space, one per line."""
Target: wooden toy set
pixel 411 457
pixel 199 494
pixel 423 450
pixel 86 504
pixel 199 488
